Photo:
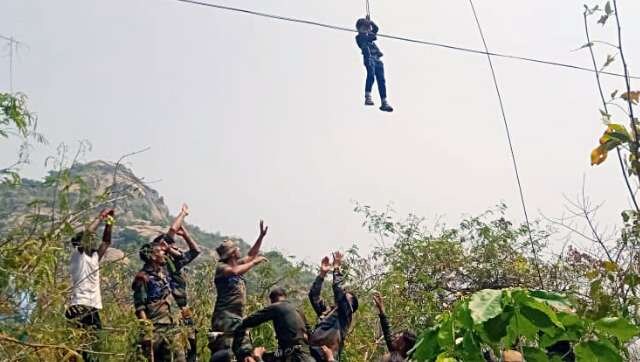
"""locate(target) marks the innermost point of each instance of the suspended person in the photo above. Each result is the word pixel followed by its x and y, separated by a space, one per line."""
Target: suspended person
pixel 160 337
pixel 231 294
pixel 367 35
pixel 86 300
pixel 290 326
pixel 334 321
pixel 398 344
pixel 176 261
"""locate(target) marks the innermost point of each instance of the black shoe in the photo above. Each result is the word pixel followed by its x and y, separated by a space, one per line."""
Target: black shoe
pixel 385 107
pixel 368 101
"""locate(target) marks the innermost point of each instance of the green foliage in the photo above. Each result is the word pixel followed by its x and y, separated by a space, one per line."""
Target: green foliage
pixel 519 319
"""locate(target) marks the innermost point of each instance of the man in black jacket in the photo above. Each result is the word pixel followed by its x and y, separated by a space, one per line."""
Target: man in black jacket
pixel 290 326
pixel 334 321
pixel 367 35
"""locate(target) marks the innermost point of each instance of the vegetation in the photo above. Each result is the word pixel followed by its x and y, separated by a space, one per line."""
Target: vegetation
pixel 472 291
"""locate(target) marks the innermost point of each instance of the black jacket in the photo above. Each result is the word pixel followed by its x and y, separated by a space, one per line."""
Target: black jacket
pixel 334 322
pixel 289 323
pixel 366 43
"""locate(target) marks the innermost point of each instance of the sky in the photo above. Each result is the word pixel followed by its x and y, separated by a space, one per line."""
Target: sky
pixel 249 118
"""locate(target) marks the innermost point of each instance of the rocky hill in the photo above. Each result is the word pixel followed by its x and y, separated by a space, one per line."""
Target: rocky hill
pixel 142 213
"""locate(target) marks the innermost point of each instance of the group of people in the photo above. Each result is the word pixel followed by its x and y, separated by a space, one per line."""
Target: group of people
pixel 162 278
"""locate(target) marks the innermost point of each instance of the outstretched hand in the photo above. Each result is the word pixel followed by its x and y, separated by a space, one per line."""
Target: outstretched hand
pixel 337 259
pixel 377 300
pixel 325 266
pixel 263 230
pixel 106 212
pixel 260 259
pixel 184 210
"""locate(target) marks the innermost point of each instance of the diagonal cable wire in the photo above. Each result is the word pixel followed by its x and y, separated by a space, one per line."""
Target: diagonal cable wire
pixel 401 38
pixel 513 155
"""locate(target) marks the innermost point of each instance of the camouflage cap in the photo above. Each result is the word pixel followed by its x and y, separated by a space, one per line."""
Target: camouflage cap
pixel 225 249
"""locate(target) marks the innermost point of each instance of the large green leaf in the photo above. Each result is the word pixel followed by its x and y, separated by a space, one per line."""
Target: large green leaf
pixel 545 309
pixel 446 337
pixel 555 300
pixel 593 351
pixel 426 349
pixel 471 351
pixel 485 305
pixel 618 327
pixel 519 326
pixel 462 316
pixel 496 328
pixel 532 354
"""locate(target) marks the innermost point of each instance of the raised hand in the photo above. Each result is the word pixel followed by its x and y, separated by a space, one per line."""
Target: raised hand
pixel 106 212
pixel 377 300
pixel 337 259
pixel 263 229
pixel 325 266
pixel 258 352
pixel 185 209
pixel 260 259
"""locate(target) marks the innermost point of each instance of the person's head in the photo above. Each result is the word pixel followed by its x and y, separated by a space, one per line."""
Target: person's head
pixel 163 237
pixel 363 25
pixel 152 254
pixel 403 342
pixel 86 241
pixel 277 295
pixel 228 250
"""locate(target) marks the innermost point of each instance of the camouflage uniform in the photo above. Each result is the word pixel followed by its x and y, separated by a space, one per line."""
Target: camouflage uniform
pixel 227 315
pixel 151 291
pixel 178 284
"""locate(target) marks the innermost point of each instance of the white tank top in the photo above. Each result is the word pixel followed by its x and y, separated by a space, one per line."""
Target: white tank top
pixel 85 276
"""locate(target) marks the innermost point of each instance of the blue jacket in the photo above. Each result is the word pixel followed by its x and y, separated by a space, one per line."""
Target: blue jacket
pixel 366 43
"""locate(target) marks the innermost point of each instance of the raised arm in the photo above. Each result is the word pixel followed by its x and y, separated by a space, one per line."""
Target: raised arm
pixel 318 304
pixel 193 251
pixel 255 249
pixel 339 295
pixel 177 223
pixel 384 322
pixel 107 216
pixel 241 269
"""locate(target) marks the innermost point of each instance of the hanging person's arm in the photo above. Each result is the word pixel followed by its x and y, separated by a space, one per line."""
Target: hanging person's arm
pixel 177 223
pixel 107 216
pixel 255 249
pixel 318 304
pixel 384 321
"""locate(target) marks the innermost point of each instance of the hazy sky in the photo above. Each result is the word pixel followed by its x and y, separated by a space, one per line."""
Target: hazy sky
pixel 251 118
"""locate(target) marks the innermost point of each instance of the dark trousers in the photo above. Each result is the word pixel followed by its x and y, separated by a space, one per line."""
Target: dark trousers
pixel 375 72
pixel 87 318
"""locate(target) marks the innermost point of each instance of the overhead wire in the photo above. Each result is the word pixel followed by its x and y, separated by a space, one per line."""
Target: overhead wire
pixel 401 38
pixel 510 142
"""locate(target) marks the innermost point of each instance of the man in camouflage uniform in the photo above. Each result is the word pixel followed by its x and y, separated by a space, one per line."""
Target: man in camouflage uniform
pixel 231 295
pixel 290 326
pixel 151 290
pixel 176 261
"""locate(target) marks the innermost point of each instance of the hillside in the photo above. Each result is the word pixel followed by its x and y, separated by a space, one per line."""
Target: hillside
pixel 142 215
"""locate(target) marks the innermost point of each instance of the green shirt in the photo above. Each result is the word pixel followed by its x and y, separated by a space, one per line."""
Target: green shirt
pixel 231 292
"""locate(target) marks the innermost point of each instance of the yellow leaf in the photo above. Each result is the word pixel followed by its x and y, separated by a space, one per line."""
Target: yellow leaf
pixel 634 96
pixel 598 155
pixel 610 266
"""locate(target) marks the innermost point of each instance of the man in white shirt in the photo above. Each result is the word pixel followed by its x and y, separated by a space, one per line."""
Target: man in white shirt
pixel 86 300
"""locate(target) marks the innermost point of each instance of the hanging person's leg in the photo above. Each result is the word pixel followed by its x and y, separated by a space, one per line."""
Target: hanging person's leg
pixel 368 86
pixel 382 86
